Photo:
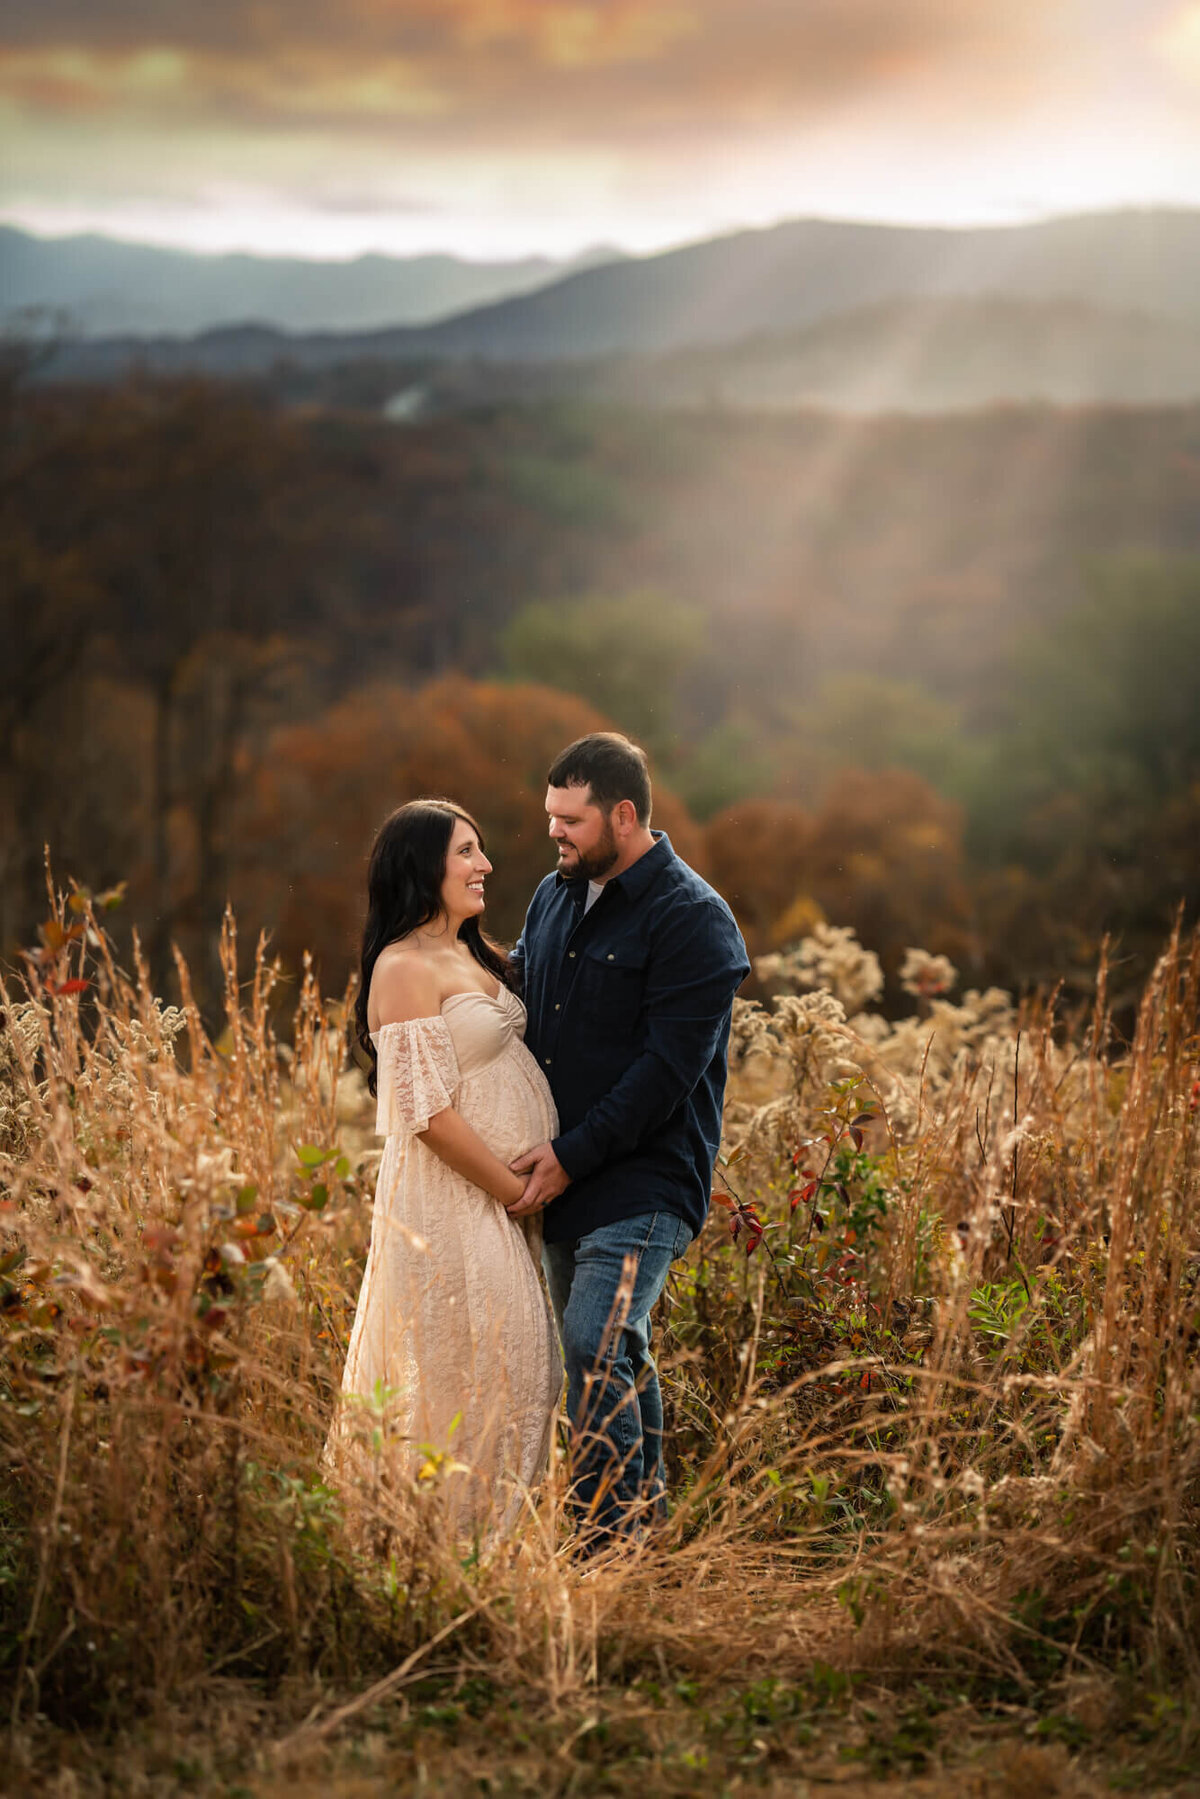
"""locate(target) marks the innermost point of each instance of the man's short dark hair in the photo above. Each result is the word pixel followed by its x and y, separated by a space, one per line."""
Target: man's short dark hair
pixel 611 766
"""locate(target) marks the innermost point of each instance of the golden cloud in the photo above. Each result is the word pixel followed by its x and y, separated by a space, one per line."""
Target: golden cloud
pixel 524 71
pixel 575 34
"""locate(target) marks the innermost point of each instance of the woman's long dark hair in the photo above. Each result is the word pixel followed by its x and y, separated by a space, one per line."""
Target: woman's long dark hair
pixel 404 891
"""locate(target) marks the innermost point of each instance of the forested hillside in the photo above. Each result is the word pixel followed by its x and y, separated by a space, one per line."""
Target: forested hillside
pixel 223 618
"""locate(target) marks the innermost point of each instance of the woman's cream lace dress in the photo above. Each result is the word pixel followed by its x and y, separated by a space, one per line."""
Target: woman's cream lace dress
pixel 453 1357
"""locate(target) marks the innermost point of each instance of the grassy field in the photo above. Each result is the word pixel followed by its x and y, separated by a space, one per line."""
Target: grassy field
pixel 931 1375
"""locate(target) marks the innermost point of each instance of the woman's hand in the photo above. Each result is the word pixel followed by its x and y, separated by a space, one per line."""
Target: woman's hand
pixel 510 1201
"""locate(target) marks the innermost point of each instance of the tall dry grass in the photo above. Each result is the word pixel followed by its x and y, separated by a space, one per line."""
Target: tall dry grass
pixel 931 1370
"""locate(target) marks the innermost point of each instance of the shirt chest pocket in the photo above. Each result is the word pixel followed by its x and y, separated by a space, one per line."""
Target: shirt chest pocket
pixel 612 988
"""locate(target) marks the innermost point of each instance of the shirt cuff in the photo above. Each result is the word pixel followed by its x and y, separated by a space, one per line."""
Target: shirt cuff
pixel 571 1150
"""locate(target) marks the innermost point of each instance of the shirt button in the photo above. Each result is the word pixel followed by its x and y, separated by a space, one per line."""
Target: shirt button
pixel 571 953
pixel 558 1007
pixel 547 1061
pixel 611 957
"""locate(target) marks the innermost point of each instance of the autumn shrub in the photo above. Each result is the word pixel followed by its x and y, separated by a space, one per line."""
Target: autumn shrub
pixel 968 1244
pixel 882 854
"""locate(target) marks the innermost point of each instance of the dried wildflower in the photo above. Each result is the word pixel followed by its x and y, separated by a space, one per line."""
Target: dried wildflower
pixel 927 976
pixel 213 1169
pixel 812 1021
pixel 20 1036
pixel 751 1033
pixel 167 1023
pixel 278 1282
pixel 869 1027
pixel 831 960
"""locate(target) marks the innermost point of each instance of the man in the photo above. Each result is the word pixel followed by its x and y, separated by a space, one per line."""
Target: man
pixel 629 963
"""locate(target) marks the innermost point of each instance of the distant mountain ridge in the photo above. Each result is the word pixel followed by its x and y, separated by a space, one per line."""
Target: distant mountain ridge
pixel 792 275
pixel 793 315
pixel 109 288
pixel 940 356
pixel 915 356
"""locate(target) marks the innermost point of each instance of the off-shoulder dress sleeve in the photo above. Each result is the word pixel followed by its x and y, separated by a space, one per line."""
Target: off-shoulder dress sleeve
pixel 417 1074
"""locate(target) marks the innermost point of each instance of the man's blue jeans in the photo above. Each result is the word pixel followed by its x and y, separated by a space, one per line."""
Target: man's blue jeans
pixel 603 1288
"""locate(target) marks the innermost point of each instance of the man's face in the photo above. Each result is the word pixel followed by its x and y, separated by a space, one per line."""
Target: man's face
pixel 581 833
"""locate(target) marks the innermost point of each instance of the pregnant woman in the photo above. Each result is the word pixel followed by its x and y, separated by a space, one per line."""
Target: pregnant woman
pixel 453 1339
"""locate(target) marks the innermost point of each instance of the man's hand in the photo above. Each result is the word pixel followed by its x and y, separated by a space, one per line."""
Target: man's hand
pixel 547 1179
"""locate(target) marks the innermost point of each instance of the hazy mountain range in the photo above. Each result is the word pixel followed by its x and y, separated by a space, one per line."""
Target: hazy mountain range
pixel 906 356
pixel 107 288
pixel 1104 307
pixel 795 274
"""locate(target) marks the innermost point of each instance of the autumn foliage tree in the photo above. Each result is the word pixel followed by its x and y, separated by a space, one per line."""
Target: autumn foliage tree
pixel 887 859
pixel 760 857
pixel 883 854
pixel 151 537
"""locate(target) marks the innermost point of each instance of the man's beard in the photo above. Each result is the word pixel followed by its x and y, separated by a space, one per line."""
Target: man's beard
pixel 596 863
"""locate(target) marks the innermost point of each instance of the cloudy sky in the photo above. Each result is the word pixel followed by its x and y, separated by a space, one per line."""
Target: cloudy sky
pixel 498 127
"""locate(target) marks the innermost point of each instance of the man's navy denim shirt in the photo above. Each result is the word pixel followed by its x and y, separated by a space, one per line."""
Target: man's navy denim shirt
pixel 629 1008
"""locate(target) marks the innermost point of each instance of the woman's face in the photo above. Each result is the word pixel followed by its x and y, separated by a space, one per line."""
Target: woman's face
pixel 466 866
